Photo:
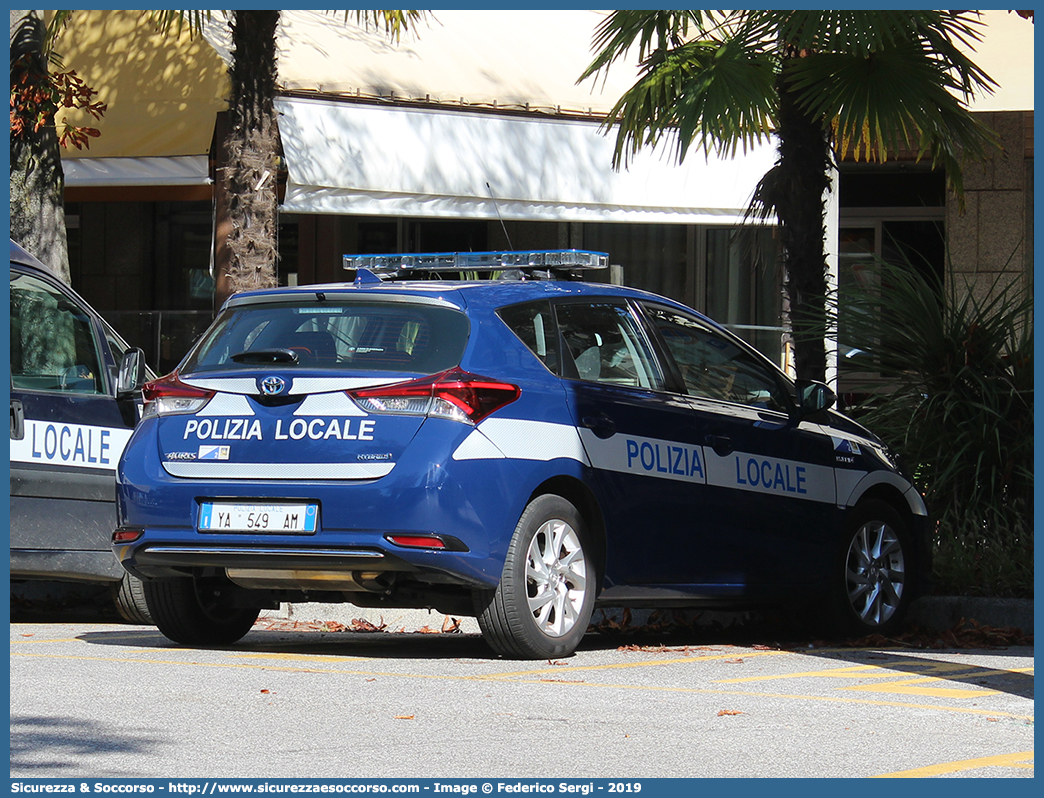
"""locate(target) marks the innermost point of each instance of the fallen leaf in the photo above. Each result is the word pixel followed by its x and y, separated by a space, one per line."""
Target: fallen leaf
pixel 404 717
pixel 371 680
pixel 736 661
pixel 266 692
pixel 363 625
pixel 730 712
pixel 28 634
pixel 450 625
pixel 427 630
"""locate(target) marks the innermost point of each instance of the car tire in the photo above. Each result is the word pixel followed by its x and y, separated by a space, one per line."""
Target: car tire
pixel 543 604
pixel 196 611
pixel 875 572
pixel 129 597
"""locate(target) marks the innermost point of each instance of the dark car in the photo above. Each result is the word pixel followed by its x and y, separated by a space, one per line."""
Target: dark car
pixel 521 449
pixel 75 397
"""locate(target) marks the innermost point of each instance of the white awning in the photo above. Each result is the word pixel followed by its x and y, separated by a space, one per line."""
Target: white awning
pixel 349 158
pixel 186 170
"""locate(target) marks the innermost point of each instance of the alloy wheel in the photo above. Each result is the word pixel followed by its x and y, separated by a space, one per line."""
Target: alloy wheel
pixel 556 578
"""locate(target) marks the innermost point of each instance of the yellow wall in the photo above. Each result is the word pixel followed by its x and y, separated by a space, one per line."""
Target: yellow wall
pixel 162 90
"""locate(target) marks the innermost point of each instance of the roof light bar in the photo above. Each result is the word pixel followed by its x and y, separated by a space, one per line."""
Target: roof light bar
pixel 480 261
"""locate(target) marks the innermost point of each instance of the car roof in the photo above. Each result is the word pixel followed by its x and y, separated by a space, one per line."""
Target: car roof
pixel 23 258
pixel 476 294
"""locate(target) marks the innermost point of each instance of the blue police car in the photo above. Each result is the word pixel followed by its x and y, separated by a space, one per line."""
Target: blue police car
pixel 521 449
pixel 75 397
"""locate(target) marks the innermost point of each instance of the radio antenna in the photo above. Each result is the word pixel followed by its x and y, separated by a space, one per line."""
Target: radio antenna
pixel 504 226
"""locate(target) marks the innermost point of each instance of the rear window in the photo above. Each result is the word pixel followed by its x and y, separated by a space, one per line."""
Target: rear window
pixel 367 336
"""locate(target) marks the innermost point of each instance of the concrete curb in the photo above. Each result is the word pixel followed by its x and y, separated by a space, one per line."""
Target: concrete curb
pixel 64 600
pixel 940 613
pixel 932 613
pixel 394 620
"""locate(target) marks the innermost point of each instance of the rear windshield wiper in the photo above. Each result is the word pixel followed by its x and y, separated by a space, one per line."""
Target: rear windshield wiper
pixel 266 356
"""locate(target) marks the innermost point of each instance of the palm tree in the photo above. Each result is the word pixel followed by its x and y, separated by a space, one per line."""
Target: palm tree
pixel 251 150
pixel 37 179
pixel 38 93
pixel 825 84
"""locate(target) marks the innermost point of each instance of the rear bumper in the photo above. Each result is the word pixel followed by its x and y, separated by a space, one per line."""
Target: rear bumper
pixel 163 560
pixel 288 563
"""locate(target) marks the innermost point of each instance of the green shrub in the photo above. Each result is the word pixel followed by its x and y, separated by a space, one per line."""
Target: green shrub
pixel 946 376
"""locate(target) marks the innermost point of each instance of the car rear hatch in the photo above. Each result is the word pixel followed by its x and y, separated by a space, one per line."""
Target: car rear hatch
pixel 273 389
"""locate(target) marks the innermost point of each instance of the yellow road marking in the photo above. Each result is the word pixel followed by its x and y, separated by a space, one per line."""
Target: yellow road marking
pixel 282 655
pixel 955 672
pixel 906 687
pixel 1020 760
pixel 642 664
pixel 509 678
pixel 883 671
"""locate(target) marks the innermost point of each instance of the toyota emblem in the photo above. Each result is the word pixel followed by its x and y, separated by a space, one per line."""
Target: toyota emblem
pixel 272 386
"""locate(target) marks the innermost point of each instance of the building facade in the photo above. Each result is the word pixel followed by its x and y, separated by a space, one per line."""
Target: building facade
pixel 463 138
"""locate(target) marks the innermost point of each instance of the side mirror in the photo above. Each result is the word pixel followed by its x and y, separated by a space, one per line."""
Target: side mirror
pixel 813 397
pixel 132 373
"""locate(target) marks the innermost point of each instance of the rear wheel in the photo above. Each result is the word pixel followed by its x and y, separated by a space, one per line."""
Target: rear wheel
pixel 129 597
pixel 875 575
pixel 197 611
pixel 543 604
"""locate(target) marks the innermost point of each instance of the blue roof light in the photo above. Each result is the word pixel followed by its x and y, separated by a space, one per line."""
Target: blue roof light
pixel 480 261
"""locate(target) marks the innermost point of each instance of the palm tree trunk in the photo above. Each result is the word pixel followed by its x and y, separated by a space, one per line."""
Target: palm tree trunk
pixel 37 178
pixel 251 148
pixel 803 179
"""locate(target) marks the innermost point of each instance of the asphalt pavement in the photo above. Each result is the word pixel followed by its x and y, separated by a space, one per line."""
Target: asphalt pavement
pixel 297 699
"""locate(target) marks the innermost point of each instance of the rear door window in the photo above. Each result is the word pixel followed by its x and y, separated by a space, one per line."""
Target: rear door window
pixel 607 346
pixel 369 336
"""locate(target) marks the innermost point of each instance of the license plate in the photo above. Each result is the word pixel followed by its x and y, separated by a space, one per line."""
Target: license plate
pixel 272 518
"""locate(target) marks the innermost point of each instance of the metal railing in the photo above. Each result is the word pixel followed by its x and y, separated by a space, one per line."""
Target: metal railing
pixel 164 335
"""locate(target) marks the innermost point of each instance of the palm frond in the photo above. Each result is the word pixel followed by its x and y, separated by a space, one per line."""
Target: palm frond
pixel 898 98
pixel 958 361
pixel 653 30
pixel 395 23
pixel 173 22
pixel 717 92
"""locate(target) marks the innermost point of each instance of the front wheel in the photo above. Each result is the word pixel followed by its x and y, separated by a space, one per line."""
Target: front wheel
pixel 875 576
pixel 197 611
pixel 545 598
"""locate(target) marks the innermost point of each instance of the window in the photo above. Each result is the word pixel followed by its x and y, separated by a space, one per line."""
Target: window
pixel 714 366
pixel 606 345
pixel 743 286
pixel 535 327
pixel 379 336
pixel 53 345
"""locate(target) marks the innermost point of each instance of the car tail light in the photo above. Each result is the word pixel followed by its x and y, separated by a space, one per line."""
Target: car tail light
pixel 125 535
pixel 454 394
pixel 169 395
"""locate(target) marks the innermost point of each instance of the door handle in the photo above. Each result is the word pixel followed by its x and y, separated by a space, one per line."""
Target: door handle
pixel 601 425
pixel 721 444
pixel 17 420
